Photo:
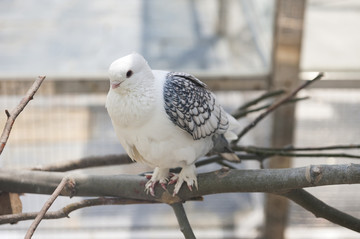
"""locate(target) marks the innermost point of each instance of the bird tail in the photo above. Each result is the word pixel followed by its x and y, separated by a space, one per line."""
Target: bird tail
pixel 222 147
pixel 234 128
pixel 230 135
pixel 230 157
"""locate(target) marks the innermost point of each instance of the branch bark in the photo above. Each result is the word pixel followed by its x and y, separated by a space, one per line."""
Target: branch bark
pixel 221 181
pixel 11 116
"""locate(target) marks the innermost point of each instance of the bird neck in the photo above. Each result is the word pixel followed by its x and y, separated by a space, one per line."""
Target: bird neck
pixel 131 107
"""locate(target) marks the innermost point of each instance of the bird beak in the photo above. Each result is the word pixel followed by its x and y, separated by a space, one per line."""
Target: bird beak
pixel 115 84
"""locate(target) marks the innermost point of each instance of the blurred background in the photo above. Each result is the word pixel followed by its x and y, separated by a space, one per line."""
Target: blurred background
pixel 240 48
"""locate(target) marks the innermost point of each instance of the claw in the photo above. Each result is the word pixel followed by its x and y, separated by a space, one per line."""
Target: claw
pixel 149 188
pixel 187 175
pixel 163 185
pixel 172 181
pixel 152 192
pixel 159 176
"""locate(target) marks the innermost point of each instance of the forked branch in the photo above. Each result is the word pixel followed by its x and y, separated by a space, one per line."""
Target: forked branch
pixel 277 105
pixel 64 182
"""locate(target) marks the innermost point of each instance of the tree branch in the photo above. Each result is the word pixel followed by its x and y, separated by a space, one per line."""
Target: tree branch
pixel 183 221
pixel 65 211
pixel 11 117
pixel 269 152
pixel 260 98
pixel 121 159
pixel 87 162
pixel 64 182
pixel 276 105
pixel 221 181
pixel 287 149
pixel 321 209
pixel 245 112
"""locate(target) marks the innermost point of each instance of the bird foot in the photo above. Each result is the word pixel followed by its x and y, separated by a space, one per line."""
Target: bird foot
pixel 163 177
pixel 159 176
pixel 188 175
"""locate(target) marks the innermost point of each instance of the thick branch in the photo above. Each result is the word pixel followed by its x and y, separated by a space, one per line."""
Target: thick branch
pixel 222 181
pixel 17 110
pixel 321 209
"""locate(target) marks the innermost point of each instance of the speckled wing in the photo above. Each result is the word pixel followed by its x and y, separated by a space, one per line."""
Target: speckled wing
pixel 192 107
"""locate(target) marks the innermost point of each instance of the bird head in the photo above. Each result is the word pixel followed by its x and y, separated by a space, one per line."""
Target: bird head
pixel 129 71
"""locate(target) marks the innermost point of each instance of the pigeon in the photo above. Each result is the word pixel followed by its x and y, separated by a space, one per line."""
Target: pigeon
pixel 166 120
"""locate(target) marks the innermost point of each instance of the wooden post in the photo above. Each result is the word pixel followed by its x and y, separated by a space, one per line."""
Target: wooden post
pixel 285 74
pixel 10 203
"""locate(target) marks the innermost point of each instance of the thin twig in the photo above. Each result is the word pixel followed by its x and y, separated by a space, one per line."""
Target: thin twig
pixel 11 116
pixel 87 162
pixel 217 158
pixel 321 209
pixel 286 152
pixel 243 113
pixel 46 206
pixel 261 98
pixel 65 211
pixel 288 149
pixel 276 105
pixel 183 221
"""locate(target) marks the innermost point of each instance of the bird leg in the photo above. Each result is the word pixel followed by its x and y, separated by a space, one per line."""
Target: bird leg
pixel 188 175
pixel 160 175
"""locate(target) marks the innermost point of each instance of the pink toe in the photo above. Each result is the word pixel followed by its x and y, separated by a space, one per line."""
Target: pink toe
pixel 163 185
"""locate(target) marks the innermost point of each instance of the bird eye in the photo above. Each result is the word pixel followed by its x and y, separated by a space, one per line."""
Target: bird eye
pixel 129 73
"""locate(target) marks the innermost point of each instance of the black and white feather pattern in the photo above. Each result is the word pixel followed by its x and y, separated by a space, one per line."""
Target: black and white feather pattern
pixel 192 107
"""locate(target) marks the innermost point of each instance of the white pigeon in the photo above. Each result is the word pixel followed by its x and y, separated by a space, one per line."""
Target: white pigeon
pixel 166 120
